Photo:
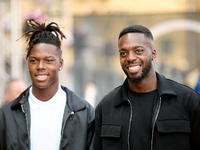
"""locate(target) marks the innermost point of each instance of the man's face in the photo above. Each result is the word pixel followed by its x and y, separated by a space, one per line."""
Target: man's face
pixel 136 54
pixel 15 89
pixel 43 64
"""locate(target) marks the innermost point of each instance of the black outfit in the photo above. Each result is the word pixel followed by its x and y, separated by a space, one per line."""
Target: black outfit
pixel 175 119
pixel 142 108
pixel 77 126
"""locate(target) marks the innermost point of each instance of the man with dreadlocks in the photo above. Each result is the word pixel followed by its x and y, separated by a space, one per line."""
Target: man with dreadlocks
pixel 46 116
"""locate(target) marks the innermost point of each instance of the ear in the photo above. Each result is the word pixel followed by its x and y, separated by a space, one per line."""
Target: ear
pixel 61 64
pixel 153 52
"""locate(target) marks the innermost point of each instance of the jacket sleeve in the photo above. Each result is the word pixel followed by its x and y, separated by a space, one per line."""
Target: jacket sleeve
pixel 195 128
pixel 97 139
pixel 2 131
pixel 90 130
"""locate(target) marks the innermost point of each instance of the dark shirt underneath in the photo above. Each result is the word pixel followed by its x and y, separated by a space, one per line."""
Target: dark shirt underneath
pixel 142 107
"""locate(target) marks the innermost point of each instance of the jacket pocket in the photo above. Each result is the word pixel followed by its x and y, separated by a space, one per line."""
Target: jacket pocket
pixel 167 126
pixel 110 134
pixel 172 134
pixel 111 130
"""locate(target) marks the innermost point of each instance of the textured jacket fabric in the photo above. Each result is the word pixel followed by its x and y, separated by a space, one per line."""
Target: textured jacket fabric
pixel 77 127
pixel 175 120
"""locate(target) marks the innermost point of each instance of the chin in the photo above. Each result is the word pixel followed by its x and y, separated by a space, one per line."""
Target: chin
pixel 135 78
pixel 41 87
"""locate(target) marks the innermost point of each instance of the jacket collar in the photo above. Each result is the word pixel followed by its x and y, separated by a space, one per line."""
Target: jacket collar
pixel 23 97
pixel 72 100
pixel 163 88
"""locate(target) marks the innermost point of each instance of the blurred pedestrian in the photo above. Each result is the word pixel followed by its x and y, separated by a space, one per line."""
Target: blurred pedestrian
pixel 148 111
pixel 193 78
pixel 13 88
pixel 46 116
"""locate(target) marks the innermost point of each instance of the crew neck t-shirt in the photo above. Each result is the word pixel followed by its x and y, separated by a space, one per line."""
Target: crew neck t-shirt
pixel 142 107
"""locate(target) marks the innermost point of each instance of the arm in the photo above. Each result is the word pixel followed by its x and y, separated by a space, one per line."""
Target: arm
pixel 2 131
pixel 195 128
pixel 90 131
pixel 97 139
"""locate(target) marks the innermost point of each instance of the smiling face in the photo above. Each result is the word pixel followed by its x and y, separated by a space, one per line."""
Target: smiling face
pixel 136 54
pixel 43 63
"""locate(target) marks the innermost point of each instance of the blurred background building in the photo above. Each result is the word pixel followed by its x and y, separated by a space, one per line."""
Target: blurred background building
pixel 90 53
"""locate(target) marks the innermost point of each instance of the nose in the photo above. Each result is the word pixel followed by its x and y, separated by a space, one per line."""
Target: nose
pixel 41 65
pixel 131 56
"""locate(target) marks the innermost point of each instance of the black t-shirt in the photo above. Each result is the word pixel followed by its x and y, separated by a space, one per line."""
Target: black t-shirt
pixel 142 107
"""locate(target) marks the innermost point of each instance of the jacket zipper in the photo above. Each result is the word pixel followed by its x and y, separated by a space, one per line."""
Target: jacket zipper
pixel 129 128
pixel 26 124
pixel 70 115
pixel 152 134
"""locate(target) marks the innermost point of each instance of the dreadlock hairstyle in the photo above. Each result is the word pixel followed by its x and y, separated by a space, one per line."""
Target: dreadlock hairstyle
pixel 42 33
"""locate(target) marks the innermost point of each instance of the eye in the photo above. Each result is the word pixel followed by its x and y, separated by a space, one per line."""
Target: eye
pixel 123 54
pixel 32 60
pixel 49 60
pixel 139 51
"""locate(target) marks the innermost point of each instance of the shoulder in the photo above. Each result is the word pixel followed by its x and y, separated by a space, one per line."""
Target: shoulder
pixel 181 88
pixel 7 107
pixel 186 95
pixel 7 112
pixel 165 85
pixel 75 101
pixel 112 94
pixel 183 94
pixel 110 98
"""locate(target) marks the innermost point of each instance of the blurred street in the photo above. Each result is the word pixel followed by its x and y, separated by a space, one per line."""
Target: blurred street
pixel 90 53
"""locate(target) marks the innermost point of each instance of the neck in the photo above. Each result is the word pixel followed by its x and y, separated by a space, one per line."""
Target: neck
pixel 148 84
pixel 44 94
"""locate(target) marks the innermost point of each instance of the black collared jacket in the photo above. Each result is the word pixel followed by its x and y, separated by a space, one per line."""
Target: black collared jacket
pixel 77 127
pixel 175 120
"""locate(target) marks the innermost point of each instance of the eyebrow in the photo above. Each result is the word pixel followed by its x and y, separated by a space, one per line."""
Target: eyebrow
pixel 45 57
pixel 134 47
pixel 122 49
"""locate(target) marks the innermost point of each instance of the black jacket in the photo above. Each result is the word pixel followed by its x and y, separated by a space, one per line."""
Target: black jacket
pixel 77 129
pixel 175 120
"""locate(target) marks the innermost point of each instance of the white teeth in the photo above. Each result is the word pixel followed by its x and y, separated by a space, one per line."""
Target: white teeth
pixel 42 76
pixel 132 68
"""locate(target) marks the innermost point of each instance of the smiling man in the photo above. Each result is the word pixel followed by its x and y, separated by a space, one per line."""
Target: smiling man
pixel 46 116
pixel 148 111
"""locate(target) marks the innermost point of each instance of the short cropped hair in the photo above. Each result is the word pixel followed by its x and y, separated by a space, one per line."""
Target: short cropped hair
pixel 137 29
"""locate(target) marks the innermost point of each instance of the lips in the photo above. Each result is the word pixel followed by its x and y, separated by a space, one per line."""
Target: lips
pixel 41 77
pixel 134 69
